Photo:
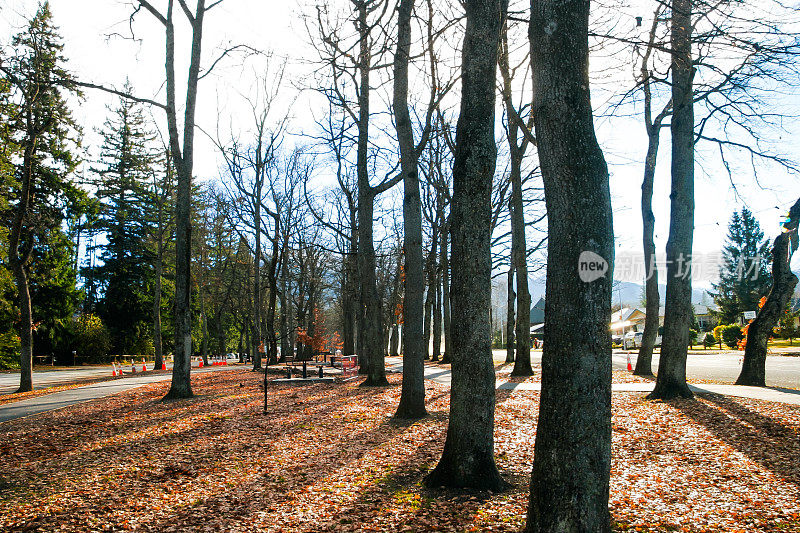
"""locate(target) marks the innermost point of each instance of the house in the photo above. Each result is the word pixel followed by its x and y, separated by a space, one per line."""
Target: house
pixel 537 318
pixel 627 319
pixel 706 316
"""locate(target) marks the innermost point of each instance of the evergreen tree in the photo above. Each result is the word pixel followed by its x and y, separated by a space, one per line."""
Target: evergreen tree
pixel 744 276
pixel 9 341
pixel 42 194
pixel 126 274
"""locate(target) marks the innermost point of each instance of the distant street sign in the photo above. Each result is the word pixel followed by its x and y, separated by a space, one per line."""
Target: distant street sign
pixel 749 315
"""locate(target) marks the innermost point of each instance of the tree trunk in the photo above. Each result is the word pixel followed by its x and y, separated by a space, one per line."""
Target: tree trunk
pixel 430 265
pixel 519 259
pixel 437 319
pixel 671 379
pixel 572 457
pixel 272 277
pixel 286 343
pixel 204 328
pixel 644 362
pixel 159 268
pixel 25 327
pixel 446 295
pixel 258 341
pixel 350 299
pixel 181 386
pixel 412 397
pixel 468 456
pixel 510 315
pixel 759 330
pixel 394 341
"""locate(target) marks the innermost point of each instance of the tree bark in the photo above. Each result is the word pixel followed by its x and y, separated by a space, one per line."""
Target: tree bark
pixel 437 318
pixel 519 258
pixel 157 343
pixel 572 461
pixel 783 284
pixel 446 294
pixel 181 386
pixel 510 315
pixel 671 378
pixel 644 361
pixel 412 397
pixel 468 456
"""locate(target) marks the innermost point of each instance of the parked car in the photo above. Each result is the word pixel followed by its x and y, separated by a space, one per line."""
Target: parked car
pixel 633 339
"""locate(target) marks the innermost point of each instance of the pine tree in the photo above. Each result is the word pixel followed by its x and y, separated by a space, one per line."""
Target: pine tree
pixel 126 275
pixel 744 276
pixel 43 194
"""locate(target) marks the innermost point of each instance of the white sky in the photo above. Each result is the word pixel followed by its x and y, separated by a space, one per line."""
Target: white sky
pixel 276 25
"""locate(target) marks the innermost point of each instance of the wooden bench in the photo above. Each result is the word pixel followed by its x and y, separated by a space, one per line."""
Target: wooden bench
pixel 42 359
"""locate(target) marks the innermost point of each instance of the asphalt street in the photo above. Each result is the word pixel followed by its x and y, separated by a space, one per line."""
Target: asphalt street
pixel 93 391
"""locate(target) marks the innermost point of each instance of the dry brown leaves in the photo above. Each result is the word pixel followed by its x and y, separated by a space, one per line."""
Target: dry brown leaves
pixel 329 458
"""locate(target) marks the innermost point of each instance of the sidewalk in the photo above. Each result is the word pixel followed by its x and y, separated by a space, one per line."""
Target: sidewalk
pixel 770 394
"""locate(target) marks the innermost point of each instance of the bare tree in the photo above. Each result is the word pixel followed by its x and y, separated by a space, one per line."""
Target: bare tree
pixel 671 377
pixel 783 283
pixel 468 456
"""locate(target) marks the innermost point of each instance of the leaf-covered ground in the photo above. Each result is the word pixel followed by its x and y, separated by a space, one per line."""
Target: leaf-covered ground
pixel 329 458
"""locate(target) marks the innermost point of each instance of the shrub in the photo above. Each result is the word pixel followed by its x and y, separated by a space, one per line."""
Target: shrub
pixel 92 339
pixel 709 340
pixel 718 334
pixel 9 350
pixel 692 337
pixel 731 335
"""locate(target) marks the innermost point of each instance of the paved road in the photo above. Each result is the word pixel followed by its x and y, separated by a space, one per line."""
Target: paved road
pixel 781 371
pixel 93 391
pixel 697 366
pixel 43 379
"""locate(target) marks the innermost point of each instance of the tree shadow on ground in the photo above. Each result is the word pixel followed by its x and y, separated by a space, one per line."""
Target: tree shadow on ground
pixel 766 441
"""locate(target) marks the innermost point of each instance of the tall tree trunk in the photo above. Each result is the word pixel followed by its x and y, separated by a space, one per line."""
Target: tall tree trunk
pixel 181 386
pixel 511 298
pixel 204 328
pixel 519 259
pixel 783 284
pixel 349 305
pixel 446 295
pixel 437 319
pixel 371 312
pixel 394 341
pixel 572 458
pixel 157 342
pixel 644 361
pixel 468 456
pixel 258 341
pixel 412 397
pixel 272 279
pixel 25 327
pixel 19 253
pixel 370 334
pixel 519 249
pixel 671 379
pixel 430 295
pixel 286 342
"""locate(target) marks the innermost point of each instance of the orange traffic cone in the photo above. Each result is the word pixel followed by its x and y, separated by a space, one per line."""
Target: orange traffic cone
pixel 133 367
pixel 201 363
pixel 163 365
pixel 113 370
pixel 630 368
pixel 144 367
